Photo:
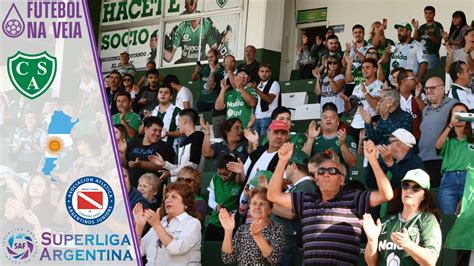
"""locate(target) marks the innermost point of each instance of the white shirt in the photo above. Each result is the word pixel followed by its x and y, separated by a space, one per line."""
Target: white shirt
pixel 327 95
pixel 261 164
pixel 184 95
pixel 464 95
pixel 409 56
pixel 275 90
pixel 374 90
pixel 184 249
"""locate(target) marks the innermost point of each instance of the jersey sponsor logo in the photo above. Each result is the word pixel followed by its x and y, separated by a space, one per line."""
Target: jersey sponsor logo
pixel 392 260
pixel 470 147
pixel 388 245
pixel 399 56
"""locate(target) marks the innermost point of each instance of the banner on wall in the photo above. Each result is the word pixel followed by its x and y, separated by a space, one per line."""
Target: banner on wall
pixel 63 199
pixel 141 43
pixel 127 11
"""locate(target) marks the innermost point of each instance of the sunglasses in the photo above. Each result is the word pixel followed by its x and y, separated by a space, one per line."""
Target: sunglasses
pixel 415 188
pixel 329 170
pixel 332 62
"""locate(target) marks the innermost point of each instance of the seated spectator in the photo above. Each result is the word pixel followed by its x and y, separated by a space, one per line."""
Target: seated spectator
pixel 138 151
pixel 127 85
pixel 455 146
pixel 176 235
pixel 460 90
pixel 121 139
pixel 134 196
pixel 321 223
pixel 412 236
pixel 190 150
pixel 269 98
pixel 114 81
pixel 224 192
pixel 233 142
pixel 304 60
pixel 429 35
pixel 457 30
pixel 143 81
pixel 332 138
pixel 391 117
pixel 149 186
pixel 258 243
pixel 437 110
pixel 330 84
pixel 192 176
pixel 411 101
pixel 184 96
pixel 238 102
pixel 147 98
pixel 298 175
pixel 125 116
pixel 124 66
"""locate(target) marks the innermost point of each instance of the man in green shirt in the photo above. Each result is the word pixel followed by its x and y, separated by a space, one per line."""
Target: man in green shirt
pixel 331 138
pixel 429 35
pixel 240 101
pixel 126 116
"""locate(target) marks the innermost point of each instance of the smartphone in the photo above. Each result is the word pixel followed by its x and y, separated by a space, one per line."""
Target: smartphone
pixel 384 23
pixel 198 63
pixel 465 117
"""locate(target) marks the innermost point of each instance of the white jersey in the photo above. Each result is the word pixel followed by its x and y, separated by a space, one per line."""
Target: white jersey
pixel 374 90
pixel 409 56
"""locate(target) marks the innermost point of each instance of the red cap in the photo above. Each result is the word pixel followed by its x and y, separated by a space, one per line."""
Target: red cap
pixel 279 125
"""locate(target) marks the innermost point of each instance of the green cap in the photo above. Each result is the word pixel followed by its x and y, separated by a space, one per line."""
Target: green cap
pixel 267 174
pixel 418 176
pixel 405 25
pixel 299 157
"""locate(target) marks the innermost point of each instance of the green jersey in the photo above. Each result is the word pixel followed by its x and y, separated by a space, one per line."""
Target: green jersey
pixel 423 229
pixel 380 51
pixel 188 39
pixel 237 107
pixel 436 28
pixel 356 67
pixel 132 119
pixel 205 94
pixel 457 154
pixel 226 194
pixel 322 143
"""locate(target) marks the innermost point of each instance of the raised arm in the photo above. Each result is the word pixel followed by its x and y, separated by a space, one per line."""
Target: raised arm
pixel 274 193
pixel 384 192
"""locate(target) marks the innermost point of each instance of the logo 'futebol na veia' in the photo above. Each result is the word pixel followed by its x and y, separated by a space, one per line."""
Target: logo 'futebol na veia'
pixel 90 200
pixel 19 245
pixel 32 74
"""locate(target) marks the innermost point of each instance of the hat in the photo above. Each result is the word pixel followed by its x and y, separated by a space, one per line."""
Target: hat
pixel 279 125
pixel 418 176
pixel 267 174
pixel 299 157
pixel 405 25
pixel 405 137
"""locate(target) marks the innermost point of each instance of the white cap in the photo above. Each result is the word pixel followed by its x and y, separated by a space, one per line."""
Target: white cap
pixel 405 137
pixel 418 176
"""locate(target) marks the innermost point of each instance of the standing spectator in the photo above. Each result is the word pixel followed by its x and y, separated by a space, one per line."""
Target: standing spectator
pixel 330 84
pixel 408 53
pixel 325 214
pixel 148 95
pixel 138 150
pixel 124 66
pixel 455 144
pixel 381 43
pixel 457 30
pixel 238 102
pixel 190 150
pixel 143 81
pixel 465 54
pixel 410 98
pixel 429 35
pixel 304 60
pixel 356 52
pixel 121 139
pixel 460 89
pixel 437 110
pixel 126 117
pixel 127 85
pixel 224 192
pixel 412 236
pixel 184 96
pixel 250 64
pixel 332 49
pixel 391 117
pixel 269 98
pixel 114 81
pixel 258 243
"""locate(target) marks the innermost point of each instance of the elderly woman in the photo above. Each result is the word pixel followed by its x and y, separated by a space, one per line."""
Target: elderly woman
pixel 149 187
pixel 176 237
pixel 412 236
pixel 260 242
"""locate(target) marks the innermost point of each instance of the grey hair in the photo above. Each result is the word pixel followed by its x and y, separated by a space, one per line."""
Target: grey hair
pixel 391 95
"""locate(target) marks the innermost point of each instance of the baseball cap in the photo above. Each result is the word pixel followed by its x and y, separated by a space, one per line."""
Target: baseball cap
pixel 405 137
pixel 405 25
pixel 418 176
pixel 299 157
pixel 279 125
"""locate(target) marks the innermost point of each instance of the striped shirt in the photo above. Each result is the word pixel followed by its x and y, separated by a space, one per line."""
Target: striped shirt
pixel 332 229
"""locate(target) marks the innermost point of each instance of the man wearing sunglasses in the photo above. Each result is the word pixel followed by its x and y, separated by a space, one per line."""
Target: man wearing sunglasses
pixel 332 215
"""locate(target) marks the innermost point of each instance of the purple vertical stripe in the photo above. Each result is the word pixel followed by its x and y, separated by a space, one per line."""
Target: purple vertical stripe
pixel 111 132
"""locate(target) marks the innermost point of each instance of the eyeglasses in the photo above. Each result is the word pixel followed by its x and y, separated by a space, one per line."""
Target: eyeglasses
pixel 329 170
pixel 433 87
pixel 390 141
pixel 332 62
pixel 410 78
pixel 415 188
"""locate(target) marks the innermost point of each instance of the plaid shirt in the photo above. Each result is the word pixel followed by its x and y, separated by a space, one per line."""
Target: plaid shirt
pixel 397 119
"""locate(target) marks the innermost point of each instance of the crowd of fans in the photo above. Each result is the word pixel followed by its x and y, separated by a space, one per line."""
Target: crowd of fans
pixel 278 197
